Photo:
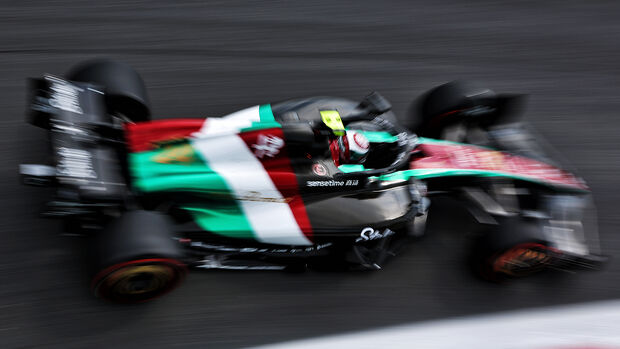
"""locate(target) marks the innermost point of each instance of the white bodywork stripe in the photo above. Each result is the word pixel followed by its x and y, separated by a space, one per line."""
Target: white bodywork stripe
pixel 230 123
pixel 272 220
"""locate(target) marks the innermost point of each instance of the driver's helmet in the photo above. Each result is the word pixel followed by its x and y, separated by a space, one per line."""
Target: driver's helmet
pixel 353 148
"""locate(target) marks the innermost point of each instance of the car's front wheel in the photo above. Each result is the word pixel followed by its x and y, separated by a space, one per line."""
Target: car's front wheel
pixel 451 104
pixel 514 248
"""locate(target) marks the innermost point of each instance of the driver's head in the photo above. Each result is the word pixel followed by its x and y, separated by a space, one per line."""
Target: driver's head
pixel 353 148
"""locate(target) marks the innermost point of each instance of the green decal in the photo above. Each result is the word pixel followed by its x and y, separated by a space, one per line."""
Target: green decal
pixel 378 136
pixel 265 113
pixel 267 120
pixel 180 168
pixel 223 218
pixel 177 168
pixel 351 168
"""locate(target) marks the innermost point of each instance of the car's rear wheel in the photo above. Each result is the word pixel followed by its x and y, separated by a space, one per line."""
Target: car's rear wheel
pixel 135 258
pixel 125 91
pixel 138 280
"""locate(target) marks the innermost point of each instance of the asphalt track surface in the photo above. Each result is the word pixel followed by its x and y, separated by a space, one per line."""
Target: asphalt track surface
pixel 211 59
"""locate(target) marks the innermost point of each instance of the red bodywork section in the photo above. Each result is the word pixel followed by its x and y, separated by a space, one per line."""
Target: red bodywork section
pixel 455 156
pixel 282 175
pixel 143 136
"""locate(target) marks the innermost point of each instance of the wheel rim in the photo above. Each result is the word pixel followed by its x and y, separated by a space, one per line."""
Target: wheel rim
pixel 522 260
pixel 138 281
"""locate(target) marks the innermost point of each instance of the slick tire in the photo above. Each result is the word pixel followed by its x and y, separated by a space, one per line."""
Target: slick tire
pixel 135 259
pixel 514 248
pixel 125 91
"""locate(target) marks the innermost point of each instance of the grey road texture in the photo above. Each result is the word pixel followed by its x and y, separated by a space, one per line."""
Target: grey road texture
pixel 209 58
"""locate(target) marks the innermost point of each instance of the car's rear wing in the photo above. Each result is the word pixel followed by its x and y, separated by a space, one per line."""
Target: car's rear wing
pixel 85 162
pixel 66 102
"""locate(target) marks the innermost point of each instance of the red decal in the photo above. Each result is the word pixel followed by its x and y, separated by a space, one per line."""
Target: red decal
pixel 319 170
pixel 181 268
pixel 143 136
pixel 335 151
pixel 278 167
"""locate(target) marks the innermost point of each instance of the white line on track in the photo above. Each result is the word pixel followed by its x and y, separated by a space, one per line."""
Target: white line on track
pixel 584 326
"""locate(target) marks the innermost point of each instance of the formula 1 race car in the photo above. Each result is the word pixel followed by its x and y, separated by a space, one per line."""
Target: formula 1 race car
pixel 318 182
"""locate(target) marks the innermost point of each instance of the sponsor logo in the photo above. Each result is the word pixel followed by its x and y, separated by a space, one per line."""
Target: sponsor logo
pixel 333 183
pixel 176 154
pixel 352 182
pixel 256 196
pixel 369 233
pixel 64 95
pixel 224 248
pixel 70 129
pixel 75 163
pixel 267 145
pixel 491 159
pixel 330 183
pixel 319 170
pixel 473 158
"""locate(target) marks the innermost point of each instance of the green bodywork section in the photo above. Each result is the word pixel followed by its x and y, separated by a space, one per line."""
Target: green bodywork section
pixel 179 168
pixel 267 120
pixel 223 218
pixel 156 171
pixel 351 168
pixel 378 136
pixel 219 212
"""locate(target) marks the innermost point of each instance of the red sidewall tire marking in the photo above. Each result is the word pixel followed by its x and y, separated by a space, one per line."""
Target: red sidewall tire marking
pixel 512 251
pixel 178 266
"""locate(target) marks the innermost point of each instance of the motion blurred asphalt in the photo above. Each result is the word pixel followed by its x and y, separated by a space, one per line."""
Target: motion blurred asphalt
pixel 205 60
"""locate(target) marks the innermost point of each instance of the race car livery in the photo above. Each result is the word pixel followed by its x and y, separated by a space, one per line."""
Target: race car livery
pixel 318 182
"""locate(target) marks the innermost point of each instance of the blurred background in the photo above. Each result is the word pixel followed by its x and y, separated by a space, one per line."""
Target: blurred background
pixel 209 58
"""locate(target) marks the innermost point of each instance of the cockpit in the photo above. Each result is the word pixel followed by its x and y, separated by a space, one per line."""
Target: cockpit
pixel 357 137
